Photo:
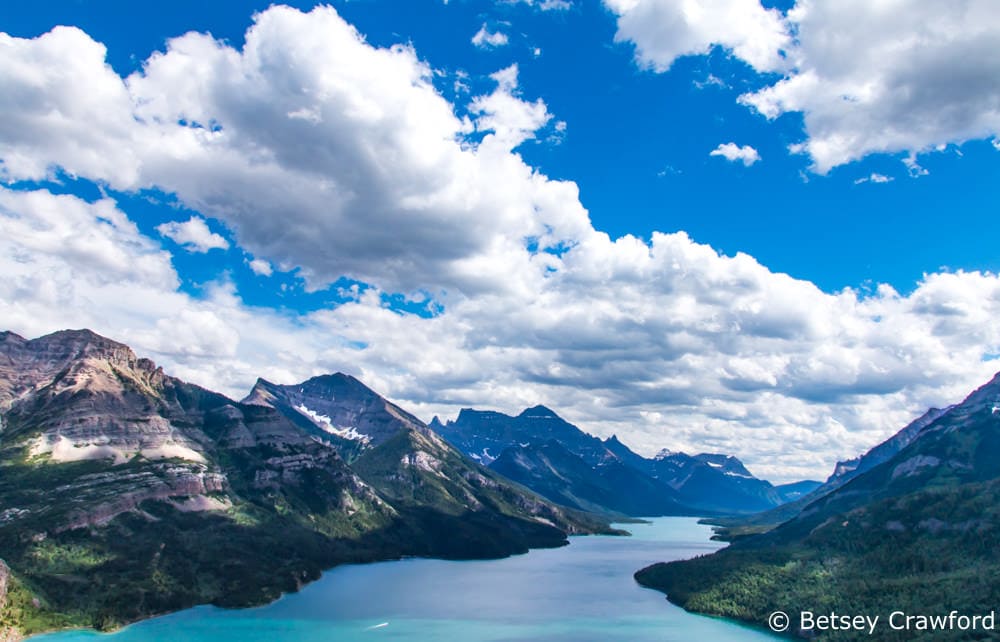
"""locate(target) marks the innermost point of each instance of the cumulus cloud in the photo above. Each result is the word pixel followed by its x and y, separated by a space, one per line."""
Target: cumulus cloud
pixel 316 148
pixel 260 267
pixel 486 39
pixel 733 152
pixel 664 30
pixel 511 119
pixel 95 238
pixel 362 168
pixel 868 77
pixel 884 78
pixel 193 235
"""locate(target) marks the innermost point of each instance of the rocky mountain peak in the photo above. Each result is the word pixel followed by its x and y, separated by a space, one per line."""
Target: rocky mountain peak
pixel 471 414
pixel 338 406
pixel 725 463
pixel 71 357
pixel 540 412
pixel 261 394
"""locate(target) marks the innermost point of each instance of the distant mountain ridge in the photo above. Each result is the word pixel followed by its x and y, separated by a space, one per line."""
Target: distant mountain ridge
pixel 544 452
pixel 484 434
pixel 118 480
pixel 611 486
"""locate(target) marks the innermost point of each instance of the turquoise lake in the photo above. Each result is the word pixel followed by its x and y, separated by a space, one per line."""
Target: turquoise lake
pixel 577 593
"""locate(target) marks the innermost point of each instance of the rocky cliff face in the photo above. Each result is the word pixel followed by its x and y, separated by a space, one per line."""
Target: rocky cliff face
pixel 4 579
pixel 848 470
pixel 77 396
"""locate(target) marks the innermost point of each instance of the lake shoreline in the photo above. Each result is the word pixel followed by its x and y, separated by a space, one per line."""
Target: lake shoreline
pixel 20 637
pixel 583 592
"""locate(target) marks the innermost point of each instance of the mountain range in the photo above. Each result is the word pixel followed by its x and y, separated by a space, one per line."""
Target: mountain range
pixel 913 525
pixel 542 451
pixel 125 492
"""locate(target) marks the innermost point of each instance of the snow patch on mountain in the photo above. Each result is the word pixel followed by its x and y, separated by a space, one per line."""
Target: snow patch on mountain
pixel 324 423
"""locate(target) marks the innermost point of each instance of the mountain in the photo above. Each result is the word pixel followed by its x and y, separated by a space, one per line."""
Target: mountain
pixel 729 528
pixel 338 409
pixel 714 483
pixel 484 434
pixel 726 464
pixel 554 472
pixel 918 532
pixel 793 491
pixel 125 492
pixel 619 480
pixel 845 471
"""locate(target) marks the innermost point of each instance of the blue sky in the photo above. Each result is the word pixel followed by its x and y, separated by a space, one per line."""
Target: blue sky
pixel 615 109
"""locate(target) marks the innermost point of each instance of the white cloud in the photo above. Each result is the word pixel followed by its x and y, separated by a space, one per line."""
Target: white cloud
pixel 665 30
pixel 193 235
pixel 260 267
pixel 711 81
pixel 664 342
pixel 316 148
pixel 733 152
pixel 877 77
pixel 544 5
pixel 868 77
pixel 915 169
pixel 511 119
pixel 95 238
pixel 486 39
pixel 874 177
pixel 60 95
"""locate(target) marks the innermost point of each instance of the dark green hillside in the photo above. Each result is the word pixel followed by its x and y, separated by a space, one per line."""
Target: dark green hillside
pixel 928 552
